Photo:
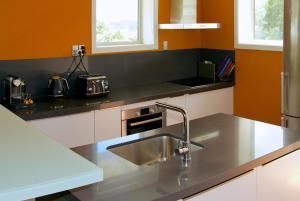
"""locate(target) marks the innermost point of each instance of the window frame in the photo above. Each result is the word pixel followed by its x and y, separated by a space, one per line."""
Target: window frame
pixel 249 42
pixel 146 40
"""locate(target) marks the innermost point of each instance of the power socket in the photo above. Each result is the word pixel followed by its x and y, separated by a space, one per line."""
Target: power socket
pixel 165 45
pixel 78 50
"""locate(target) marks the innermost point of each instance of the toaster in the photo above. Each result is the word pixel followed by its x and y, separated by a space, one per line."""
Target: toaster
pixel 92 85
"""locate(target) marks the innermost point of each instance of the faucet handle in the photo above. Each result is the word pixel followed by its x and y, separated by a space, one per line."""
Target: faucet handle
pixel 183 150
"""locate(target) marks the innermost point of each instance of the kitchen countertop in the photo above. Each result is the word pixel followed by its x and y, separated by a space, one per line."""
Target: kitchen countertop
pixel 34 165
pixel 117 97
pixel 232 146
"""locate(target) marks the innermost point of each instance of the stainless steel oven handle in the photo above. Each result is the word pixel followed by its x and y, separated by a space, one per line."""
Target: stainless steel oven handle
pixel 146 121
pixel 284 122
pixel 282 92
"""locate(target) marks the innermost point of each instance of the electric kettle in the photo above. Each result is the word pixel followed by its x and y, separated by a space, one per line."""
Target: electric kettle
pixel 57 87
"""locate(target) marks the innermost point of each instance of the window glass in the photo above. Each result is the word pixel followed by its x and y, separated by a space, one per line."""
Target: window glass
pixel 117 21
pixel 268 20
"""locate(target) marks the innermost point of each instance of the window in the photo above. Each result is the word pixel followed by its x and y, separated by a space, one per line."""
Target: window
pixel 259 24
pixel 124 25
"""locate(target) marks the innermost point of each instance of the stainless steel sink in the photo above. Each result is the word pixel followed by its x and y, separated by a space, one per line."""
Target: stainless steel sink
pixel 149 151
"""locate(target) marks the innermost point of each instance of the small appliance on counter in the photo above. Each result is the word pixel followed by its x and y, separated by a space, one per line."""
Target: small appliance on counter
pixel 58 87
pixel 15 95
pixel 207 70
pixel 91 85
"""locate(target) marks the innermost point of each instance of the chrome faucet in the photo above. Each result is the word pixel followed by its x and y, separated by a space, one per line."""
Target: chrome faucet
pixel 184 145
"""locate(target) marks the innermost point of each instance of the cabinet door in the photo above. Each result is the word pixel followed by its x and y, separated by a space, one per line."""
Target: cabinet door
pixel 280 179
pixel 175 117
pixel 210 102
pixel 242 188
pixel 71 130
pixel 142 104
pixel 107 124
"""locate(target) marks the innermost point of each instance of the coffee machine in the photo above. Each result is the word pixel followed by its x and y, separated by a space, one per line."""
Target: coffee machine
pixel 15 95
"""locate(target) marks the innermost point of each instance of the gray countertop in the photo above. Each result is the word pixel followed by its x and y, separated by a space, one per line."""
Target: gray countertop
pixel 232 146
pixel 117 97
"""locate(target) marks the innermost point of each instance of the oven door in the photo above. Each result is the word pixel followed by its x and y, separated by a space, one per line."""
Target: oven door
pixel 143 123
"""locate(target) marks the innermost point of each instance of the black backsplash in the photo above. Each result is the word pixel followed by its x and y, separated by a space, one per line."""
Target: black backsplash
pixel 216 56
pixel 123 70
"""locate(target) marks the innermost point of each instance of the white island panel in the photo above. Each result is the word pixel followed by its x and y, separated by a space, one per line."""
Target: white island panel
pixel 34 165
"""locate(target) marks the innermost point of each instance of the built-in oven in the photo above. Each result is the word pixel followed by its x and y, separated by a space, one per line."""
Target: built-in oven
pixel 143 119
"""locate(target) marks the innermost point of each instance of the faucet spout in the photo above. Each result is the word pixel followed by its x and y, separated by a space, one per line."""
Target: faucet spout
pixel 184 148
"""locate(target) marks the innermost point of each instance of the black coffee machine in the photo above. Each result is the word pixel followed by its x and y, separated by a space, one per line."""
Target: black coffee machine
pixel 15 95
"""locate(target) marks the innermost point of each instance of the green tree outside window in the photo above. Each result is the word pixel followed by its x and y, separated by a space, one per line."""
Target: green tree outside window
pixel 269 20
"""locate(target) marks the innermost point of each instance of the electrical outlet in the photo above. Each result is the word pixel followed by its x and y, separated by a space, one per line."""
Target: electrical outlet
pixel 78 50
pixel 165 45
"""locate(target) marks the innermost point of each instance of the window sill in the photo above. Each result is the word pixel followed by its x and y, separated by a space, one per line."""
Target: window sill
pixel 124 48
pixel 254 46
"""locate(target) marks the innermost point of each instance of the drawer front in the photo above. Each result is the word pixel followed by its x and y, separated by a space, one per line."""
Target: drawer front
pixel 71 130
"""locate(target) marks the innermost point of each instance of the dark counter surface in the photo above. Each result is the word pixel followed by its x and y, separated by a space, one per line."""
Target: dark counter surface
pixel 117 97
pixel 232 146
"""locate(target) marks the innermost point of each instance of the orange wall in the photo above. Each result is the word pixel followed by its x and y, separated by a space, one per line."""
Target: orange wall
pixel 177 39
pixel 257 90
pixel 42 29
pixel 218 11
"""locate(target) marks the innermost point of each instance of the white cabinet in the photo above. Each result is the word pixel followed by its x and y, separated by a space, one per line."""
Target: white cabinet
pixel 70 130
pixel 107 124
pixel 210 102
pixel 90 127
pixel 198 105
pixel 175 117
pixel 280 179
pixel 242 188
pixel 84 128
pixel 142 104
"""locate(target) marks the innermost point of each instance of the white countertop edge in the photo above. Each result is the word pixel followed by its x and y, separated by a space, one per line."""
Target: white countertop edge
pixel 42 189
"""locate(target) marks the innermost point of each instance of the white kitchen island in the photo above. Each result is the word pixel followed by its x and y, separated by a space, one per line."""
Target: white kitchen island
pixel 34 165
